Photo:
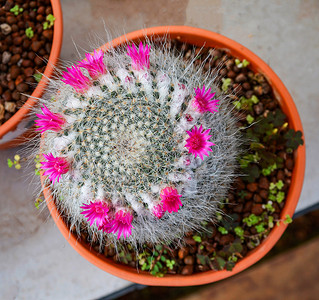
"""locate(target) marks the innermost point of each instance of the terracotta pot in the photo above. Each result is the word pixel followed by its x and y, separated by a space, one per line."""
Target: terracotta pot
pixel 201 37
pixel 18 129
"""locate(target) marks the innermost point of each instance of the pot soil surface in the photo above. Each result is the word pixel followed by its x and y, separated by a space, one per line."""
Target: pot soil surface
pixel 26 33
pixel 254 203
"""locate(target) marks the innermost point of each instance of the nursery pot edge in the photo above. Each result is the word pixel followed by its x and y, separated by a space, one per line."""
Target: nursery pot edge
pixel 8 137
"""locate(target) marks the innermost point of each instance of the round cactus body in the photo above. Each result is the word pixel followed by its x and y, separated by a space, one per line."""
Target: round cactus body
pixel 136 146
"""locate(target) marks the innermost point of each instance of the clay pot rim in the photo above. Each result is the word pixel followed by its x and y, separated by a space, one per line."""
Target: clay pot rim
pixel 196 36
pixel 23 112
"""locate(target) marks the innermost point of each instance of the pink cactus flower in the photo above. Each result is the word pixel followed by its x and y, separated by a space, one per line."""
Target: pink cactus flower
pixel 182 86
pixel 198 143
pixel 54 167
pixel 94 64
pixel 106 225
pixel 49 120
pixel 187 161
pixel 140 57
pixel 128 79
pixel 74 77
pixel 96 212
pixel 189 118
pixel 158 211
pixel 170 199
pixel 202 101
pixel 122 223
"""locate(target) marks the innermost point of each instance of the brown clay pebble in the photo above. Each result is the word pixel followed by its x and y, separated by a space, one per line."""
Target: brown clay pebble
pixel 226 239
pixel 190 241
pixel 281 175
pixel 248 195
pixel 16 97
pixel 11 85
pixel 26 63
pixel 16 50
pixel 41 52
pixel 257 198
pixel 238 208
pixel 35 46
pixel 7 95
pixel 28 72
pixel 229 63
pixel 15 58
pixel 48 34
pixel 248 206
pixel 257 209
pixel 32 14
pixel 263 194
pixel 48 10
pixel 236 69
pixel 263 183
pixel 265 87
pixel 22 87
pixel 19 79
pixel 17 41
pixel 33 4
pixel 187 270
pixel 240 185
pixel 240 78
pixel 41 10
pixel 183 252
pixel 258 108
pixel 189 260
pixel 223 72
pixel 30 79
pixel 210 248
pixel 14 71
pixel 39 18
pixel 252 187
pixel 38 61
pixel 231 74
pixel 258 90
pixel 11 20
pixel 289 164
pixel 246 86
pixel 193 250
pixel 249 94
pixel 48 47
pixel 31 55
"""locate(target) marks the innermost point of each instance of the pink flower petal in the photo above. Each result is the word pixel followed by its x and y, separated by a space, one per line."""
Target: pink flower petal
pixel 202 101
pixel 158 211
pixel 198 143
pixel 54 167
pixel 122 224
pixel 94 64
pixel 140 57
pixel 74 77
pixel 170 199
pixel 96 212
pixel 49 120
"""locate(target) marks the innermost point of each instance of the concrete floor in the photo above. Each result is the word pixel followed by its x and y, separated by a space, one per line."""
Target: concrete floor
pixel 36 262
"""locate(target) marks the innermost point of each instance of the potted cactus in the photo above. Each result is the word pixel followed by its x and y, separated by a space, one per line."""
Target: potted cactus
pixel 139 147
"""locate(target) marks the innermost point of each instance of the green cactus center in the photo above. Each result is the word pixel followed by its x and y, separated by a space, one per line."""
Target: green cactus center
pixel 126 144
